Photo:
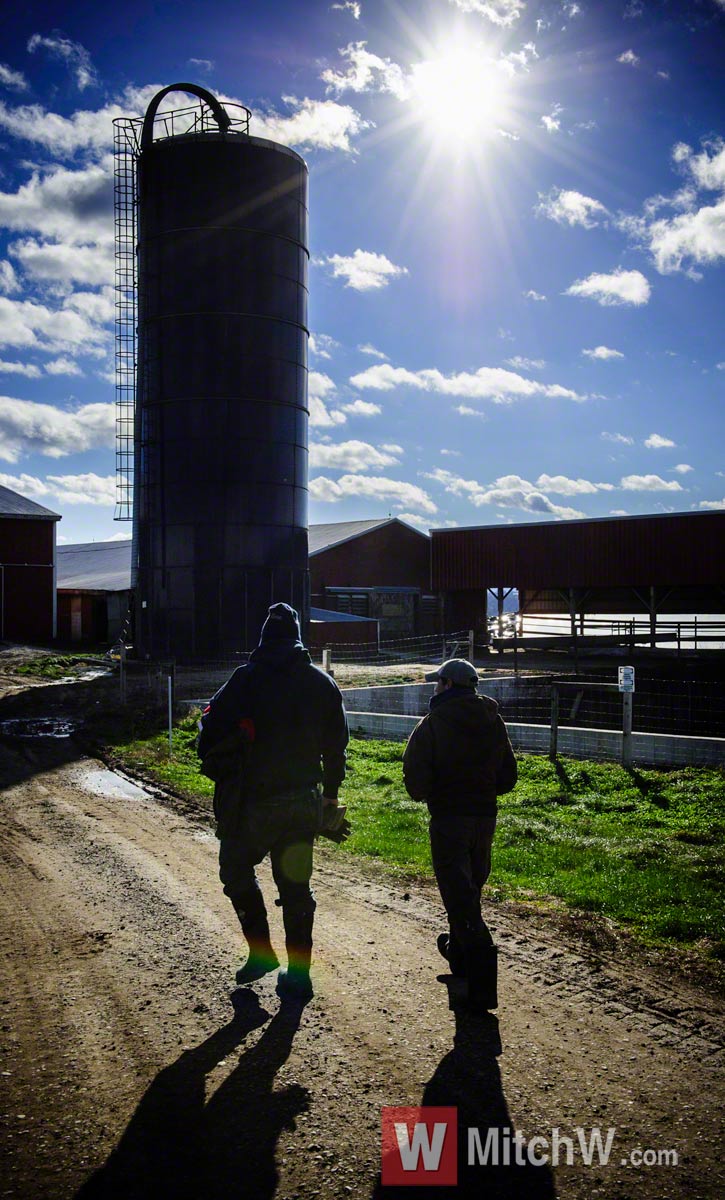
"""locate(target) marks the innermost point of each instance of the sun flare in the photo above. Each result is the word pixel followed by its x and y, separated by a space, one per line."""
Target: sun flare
pixel 461 95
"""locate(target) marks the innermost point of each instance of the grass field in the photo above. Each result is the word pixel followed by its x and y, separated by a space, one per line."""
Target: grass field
pixel 643 848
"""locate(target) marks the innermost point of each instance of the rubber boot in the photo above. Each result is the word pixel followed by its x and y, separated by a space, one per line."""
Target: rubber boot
pixel 483 979
pixel 295 982
pixel 255 927
pixel 451 951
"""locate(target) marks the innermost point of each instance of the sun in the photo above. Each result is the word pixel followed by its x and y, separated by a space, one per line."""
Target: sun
pixel 461 95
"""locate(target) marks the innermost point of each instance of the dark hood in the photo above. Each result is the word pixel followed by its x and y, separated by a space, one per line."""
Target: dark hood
pixel 470 713
pixel 282 654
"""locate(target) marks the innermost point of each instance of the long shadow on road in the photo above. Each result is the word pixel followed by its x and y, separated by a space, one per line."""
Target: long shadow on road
pixel 180 1144
pixel 468 1078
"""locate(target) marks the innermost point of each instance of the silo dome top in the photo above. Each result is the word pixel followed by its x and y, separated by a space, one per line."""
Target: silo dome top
pixel 207 116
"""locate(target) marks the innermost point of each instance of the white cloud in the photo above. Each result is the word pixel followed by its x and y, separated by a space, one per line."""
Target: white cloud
pixel 25 323
pixel 509 491
pixel 312 124
pixel 488 383
pixel 532 295
pixel 683 468
pixel 350 6
pixel 649 483
pixel 14 80
pixel 8 279
pixel 367 72
pixel 499 12
pixel 621 438
pixel 63 366
pixel 65 263
pixel 364 270
pixel 349 456
pixel 72 53
pixel 84 489
pixel 322 345
pixel 204 64
pixel 655 441
pixel 720 366
pixel 27 427
pixel 526 364
pixel 715 505
pixel 68 205
pixel 561 485
pixel 551 121
pixel 413 519
pixel 629 58
pixel 619 287
pixel 466 411
pixel 361 408
pixel 90 130
pixel 571 208
pixel 366 348
pixel 618 512
pixel 602 352
pixel 452 453
pixel 29 370
pixel 403 495
pixel 319 388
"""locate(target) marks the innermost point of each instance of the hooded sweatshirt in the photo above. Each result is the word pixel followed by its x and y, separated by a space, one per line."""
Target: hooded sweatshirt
pixel 459 757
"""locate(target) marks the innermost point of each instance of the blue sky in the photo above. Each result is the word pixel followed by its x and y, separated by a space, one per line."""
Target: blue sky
pixel 517 237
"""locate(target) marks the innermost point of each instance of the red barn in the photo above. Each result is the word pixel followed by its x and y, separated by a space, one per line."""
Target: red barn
pixel 27 569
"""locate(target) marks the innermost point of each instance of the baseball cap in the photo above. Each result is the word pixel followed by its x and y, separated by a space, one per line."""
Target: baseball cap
pixel 460 672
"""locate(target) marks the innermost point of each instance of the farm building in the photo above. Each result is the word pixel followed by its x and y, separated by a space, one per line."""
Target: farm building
pixel 27 569
pixel 94 588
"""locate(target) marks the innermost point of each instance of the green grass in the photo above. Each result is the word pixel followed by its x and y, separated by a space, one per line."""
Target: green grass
pixel 52 666
pixel 643 848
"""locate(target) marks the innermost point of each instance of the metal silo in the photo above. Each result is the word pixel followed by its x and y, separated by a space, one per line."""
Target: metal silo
pixel 219 447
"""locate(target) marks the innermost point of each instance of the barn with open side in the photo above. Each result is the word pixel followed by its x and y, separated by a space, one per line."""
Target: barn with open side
pixel 658 564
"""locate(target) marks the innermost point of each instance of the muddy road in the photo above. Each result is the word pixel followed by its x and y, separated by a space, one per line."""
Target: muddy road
pixel 126 1072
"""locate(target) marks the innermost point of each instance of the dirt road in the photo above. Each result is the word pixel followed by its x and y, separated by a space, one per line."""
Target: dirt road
pixel 125 1072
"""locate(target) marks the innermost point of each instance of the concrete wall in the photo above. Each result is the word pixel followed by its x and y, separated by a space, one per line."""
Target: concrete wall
pixel 648 749
pixel 412 698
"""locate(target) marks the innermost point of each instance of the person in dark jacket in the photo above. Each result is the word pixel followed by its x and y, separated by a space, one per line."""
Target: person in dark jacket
pixel 458 760
pixel 273 738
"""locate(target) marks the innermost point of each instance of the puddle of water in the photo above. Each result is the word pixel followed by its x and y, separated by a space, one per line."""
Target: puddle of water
pixel 100 782
pixel 37 727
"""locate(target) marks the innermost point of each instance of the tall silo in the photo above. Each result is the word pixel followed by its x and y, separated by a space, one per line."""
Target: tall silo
pixel 220 421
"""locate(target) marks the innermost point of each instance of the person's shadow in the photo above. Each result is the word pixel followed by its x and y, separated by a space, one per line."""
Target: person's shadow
pixel 179 1144
pixel 468 1078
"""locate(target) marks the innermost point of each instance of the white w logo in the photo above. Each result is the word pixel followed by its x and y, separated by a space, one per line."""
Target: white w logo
pixel 420 1146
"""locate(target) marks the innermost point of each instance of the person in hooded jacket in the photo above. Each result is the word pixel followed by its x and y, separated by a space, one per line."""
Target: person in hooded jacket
pixel 458 760
pixel 276 734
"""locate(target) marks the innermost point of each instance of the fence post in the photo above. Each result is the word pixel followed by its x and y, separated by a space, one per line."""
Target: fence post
pixel 170 693
pixel 122 674
pixel 626 729
pixel 470 645
pixel 554 738
pixel 326 657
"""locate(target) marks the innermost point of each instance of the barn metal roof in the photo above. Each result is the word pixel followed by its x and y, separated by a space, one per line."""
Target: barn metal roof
pixel 12 504
pixel 95 566
pixel 322 537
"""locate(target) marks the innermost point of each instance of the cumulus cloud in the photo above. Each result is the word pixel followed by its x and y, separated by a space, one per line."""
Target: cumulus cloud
pixel 619 287
pixel 649 483
pixel 63 366
pixel 532 295
pixel 350 456
pixel 76 57
pixel 350 6
pixel 367 72
pixel 715 505
pixel 628 58
pixel 84 489
pixel 414 519
pixel 552 121
pixel 67 205
pixel 311 124
pixel 655 441
pixel 361 408
pixel 487 383
pixel 561 485
pixel 65 263
pixel 683 468
pixel 364 270
pixel 465 410
pixel 27 427
pixel 621 438
pixel 25 323
pixel 509 491
pixel 29 370
pixel 8 279
pixel 571 208
pixel 204 64
pixel 604 353
pixel 322 345
pixel 500 12
pixel 319 389
pixel 400 493
pixel 366 348
pixel 15 80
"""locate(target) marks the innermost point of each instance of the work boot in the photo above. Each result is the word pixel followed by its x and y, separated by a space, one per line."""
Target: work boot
pixel 255 928
pixel 482 979
pixel 295 982
pixel 448 948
